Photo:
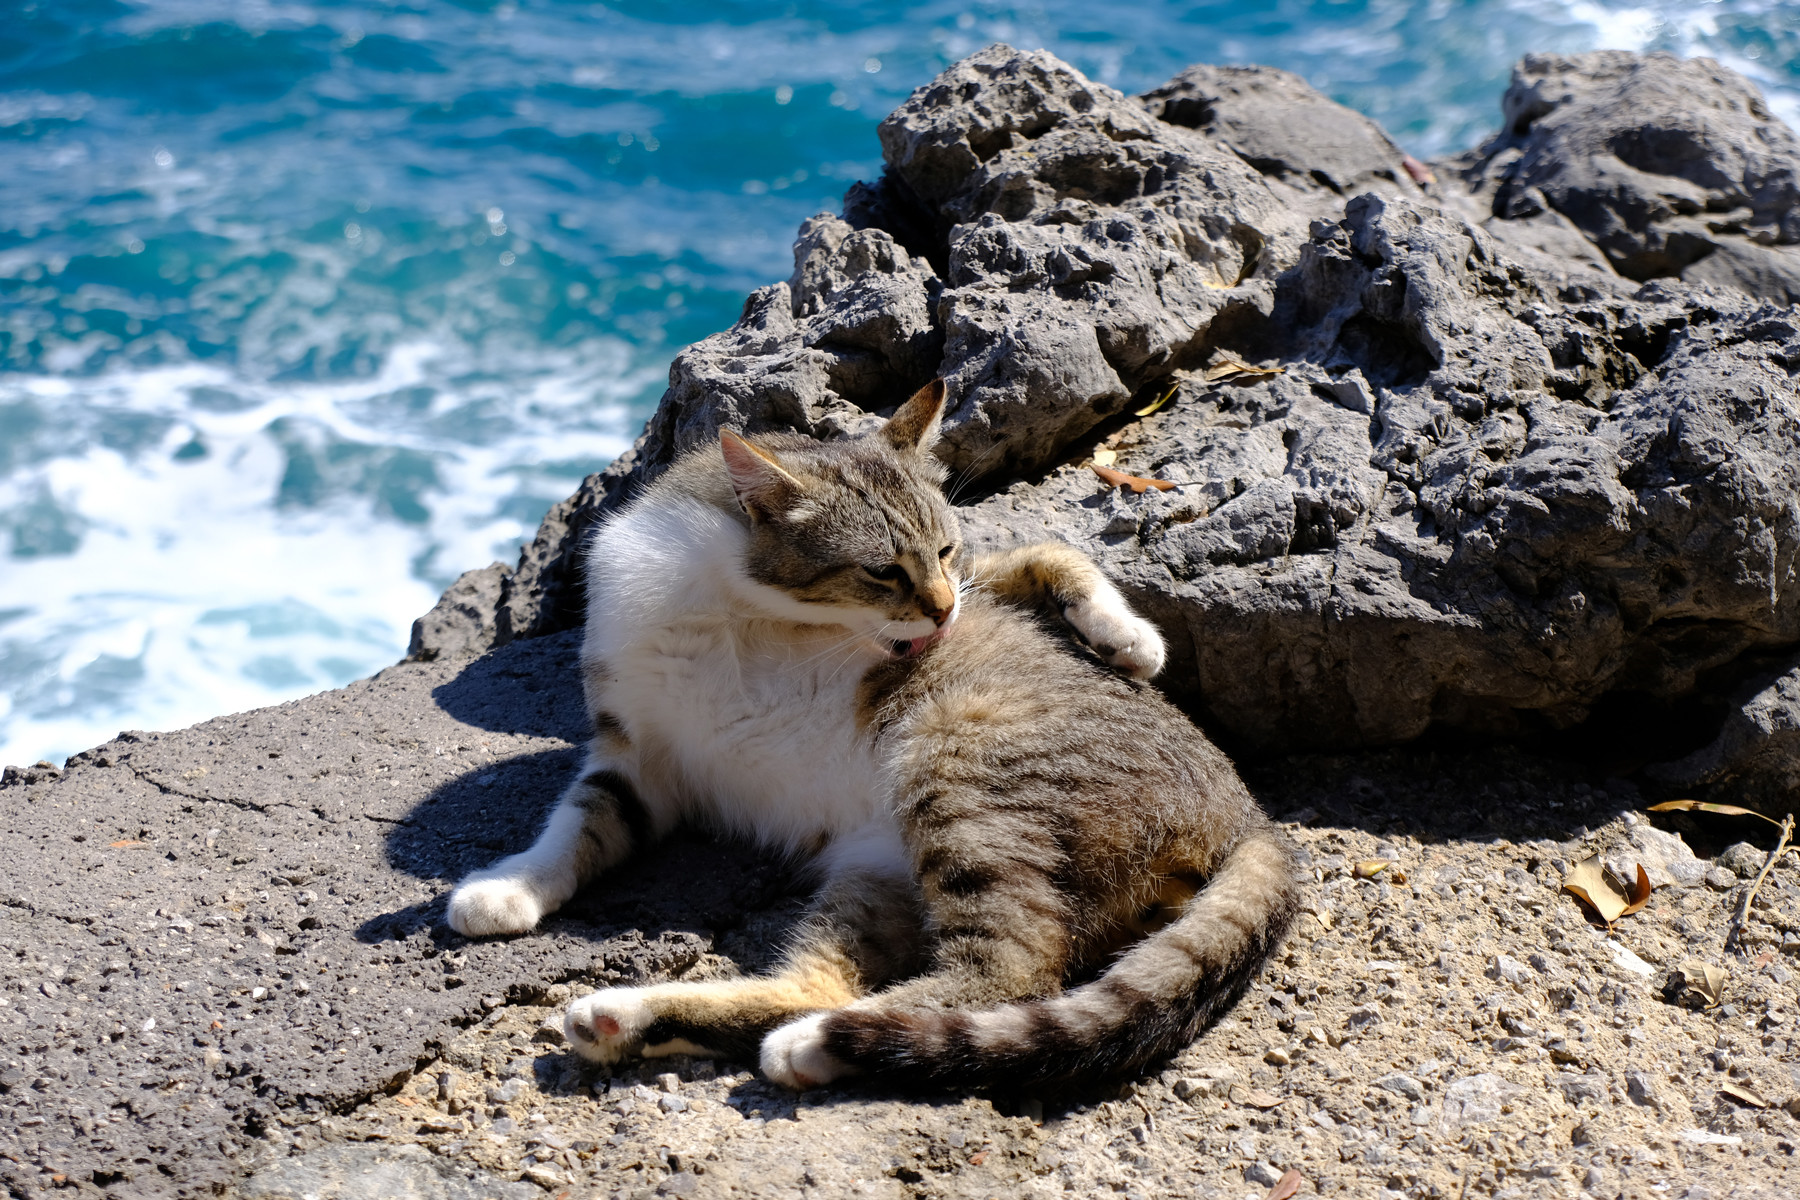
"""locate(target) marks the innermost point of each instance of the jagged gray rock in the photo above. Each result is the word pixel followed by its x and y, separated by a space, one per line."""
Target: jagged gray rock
pixel 1495 480
pixel 465 620
pixel 1674 168
pixel 1314 152
pixel 1090 249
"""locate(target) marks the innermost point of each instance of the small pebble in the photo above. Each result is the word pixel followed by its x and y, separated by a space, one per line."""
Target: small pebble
pixel 542 1175
pixel 668 1081
pixel 1262 1174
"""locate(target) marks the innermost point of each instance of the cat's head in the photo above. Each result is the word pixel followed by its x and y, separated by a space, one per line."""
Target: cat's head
pixel 854 533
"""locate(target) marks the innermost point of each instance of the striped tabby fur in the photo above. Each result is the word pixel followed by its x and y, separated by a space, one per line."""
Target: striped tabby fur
pixel 1034 870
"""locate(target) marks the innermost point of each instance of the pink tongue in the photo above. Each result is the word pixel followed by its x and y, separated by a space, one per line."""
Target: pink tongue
pixel 917 646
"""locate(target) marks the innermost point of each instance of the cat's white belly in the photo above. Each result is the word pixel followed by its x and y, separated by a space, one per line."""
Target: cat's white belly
pixel 765 744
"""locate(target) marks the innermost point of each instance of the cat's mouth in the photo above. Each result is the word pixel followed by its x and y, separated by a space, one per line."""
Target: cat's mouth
pixel 914 647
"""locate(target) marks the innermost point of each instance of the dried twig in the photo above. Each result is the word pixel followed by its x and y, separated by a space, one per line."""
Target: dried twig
pixel 1742 917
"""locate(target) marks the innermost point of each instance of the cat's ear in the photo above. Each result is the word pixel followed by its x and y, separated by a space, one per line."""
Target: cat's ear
pixel 914 426
pixel 762 486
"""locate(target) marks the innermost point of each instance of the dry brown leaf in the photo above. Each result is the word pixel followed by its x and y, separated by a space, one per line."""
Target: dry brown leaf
pixel 1368 868
pixel 1640 893
pixel 1286 1186
pixel 1744 1094
pixel 1588 882
pixel 1728 810
pixel 1136 483
pixel 122 843
pixel 1255 1097
pixel 1106 458
pixel 1159 402
pixel 1227 367
pixel 1419 171
pixel 1706 979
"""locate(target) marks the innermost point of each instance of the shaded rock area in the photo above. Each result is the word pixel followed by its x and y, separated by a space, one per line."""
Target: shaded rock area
pixel 1516 453
pixel 1441 465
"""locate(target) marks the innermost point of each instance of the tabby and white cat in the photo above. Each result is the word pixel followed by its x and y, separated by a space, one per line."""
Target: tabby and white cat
pixel 1033 869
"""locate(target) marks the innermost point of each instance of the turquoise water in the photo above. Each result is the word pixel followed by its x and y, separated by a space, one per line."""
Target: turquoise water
pixel 306 308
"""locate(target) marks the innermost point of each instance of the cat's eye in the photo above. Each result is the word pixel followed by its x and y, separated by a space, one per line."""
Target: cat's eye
pixel 946 552
pixel 892 573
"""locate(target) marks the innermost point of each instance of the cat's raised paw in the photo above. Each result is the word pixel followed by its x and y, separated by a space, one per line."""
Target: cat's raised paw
pixel 485 907
pixel 609 1024
pixel 1128 643
pixel 795 1055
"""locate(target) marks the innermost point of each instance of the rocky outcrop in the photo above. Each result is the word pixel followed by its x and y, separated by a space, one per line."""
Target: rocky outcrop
pixel 1314 153
pixel 1674 169
pixel 1479 450
pixel 466 617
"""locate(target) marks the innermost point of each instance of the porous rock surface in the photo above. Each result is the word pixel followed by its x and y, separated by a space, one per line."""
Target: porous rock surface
pixel 1518 450
pixel 1671 167
pixel 225 972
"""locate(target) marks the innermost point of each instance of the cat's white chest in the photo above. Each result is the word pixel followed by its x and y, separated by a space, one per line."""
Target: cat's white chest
pixel 741 719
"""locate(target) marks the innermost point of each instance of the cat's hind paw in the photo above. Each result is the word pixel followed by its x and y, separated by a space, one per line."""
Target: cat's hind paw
pixel 609 1024
pixel 795 1056
pixel 1128 643
pixel 485 907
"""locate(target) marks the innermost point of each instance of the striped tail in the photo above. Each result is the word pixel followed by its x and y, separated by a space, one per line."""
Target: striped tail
pixel 1150 1004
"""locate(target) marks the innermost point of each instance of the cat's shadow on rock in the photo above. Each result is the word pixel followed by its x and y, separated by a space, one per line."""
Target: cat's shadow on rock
pixel 741 896
pixel 530 687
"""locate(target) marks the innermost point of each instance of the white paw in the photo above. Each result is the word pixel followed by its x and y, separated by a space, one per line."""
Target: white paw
pixel 794 1055
pixel 609 1024
pixel 1126 641
pixel 483 907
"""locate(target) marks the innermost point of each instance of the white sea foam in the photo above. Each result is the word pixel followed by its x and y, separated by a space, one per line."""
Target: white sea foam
pixel 193 592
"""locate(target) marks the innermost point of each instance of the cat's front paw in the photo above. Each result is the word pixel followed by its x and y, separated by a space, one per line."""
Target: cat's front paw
pixel 485 907
pixel 609 1024
pixel 1128 643
pixel 795 1056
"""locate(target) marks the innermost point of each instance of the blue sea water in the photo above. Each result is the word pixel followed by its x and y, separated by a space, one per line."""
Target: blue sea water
pixel 305 308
